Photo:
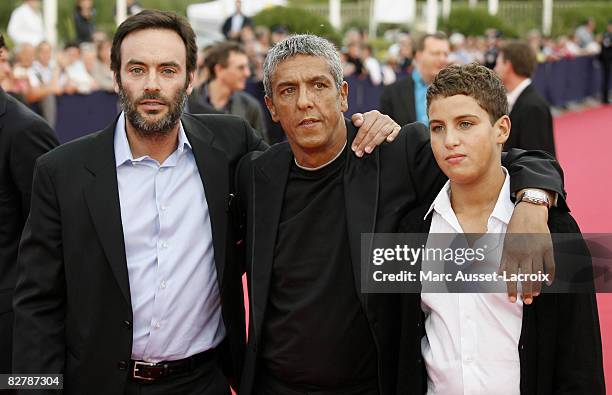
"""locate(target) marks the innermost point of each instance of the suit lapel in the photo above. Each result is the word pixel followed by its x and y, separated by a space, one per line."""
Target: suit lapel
pixel 361 186
pixel 213 168
pixel 102 197
pixel 270 180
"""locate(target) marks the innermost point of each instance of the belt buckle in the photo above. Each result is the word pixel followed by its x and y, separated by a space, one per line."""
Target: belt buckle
pixel 135 370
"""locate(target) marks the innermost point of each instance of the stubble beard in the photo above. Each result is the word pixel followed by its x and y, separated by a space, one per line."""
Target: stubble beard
pixel 153 129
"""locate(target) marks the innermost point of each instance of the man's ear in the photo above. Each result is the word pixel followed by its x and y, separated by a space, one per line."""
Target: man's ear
pixel 344 96
pixel 271 108
pixel 502 127
pixel 191 77
pixel 115 82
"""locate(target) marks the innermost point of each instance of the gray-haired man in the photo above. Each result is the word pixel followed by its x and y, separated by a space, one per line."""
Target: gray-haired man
pixel 307 202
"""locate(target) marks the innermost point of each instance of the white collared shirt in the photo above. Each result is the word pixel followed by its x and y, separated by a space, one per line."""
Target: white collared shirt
pixel 516 92
pixel 169 251
pixel 471 346
pixel 26 26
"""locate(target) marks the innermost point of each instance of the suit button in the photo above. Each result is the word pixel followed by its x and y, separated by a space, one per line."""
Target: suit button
pixel 122 365
pixel 127 324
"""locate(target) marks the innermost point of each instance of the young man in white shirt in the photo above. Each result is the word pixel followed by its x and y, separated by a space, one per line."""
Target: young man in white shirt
pixel 480 343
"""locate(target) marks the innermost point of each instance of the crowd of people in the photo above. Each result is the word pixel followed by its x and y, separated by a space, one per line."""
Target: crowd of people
pixel 40 72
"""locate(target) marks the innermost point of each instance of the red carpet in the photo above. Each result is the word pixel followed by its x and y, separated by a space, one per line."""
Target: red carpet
pixel 583 141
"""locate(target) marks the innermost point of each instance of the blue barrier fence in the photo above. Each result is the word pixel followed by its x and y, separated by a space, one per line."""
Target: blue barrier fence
pixel 559 82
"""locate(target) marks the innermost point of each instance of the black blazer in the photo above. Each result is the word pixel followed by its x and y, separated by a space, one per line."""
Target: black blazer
pixel 532 123
pixel 227 24
pixel 242 104
pixel 73 313
pixel 379 189
pixel 24 136
pixel 397 101
pixel 560 343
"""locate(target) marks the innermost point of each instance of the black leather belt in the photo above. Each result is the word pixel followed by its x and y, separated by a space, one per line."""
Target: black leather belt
pixel 150 371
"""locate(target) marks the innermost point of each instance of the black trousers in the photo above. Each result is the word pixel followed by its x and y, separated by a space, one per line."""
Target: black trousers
pixel 206 379
pixel 266 385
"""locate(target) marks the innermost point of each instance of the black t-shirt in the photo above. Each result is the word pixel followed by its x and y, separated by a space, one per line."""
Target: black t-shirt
pixel 315 334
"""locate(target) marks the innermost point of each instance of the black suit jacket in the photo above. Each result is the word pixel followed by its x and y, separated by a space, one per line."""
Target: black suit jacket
pixel 242 104
pixel 227 25
pixel 532 123
pixel 24 136
pixel 379 190
pixel 397 101
pixel 73 313
pixel 560 343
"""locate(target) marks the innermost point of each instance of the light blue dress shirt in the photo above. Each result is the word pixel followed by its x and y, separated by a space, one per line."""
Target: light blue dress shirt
pixel 169 251
pixel 420 97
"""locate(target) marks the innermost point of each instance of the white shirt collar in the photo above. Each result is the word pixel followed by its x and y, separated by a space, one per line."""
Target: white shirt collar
pixel 516 92
pixel 503 207
pixel 123 153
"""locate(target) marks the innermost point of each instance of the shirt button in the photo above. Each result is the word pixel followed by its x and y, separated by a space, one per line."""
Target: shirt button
pixel 164 244
pixel 122 365
pixel 127 324
pixel 163 284
pixel 157 325
pixel 164 207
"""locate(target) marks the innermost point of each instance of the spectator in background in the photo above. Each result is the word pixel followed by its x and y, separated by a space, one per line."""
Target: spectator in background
pixel 234 23
pixel 101 71
pixel 473 48
pixel 84 24
pixel 25 53
pixel 536 43
pixel 279 33
pixel 401 54
pixel 405 100
pixel 44 77
pixel 353 64
pixel 228 71
pixel 201 70
pixel 606 62
pixel 89 57
pixel 490 54
pixel 370 64
pixel 584 33
pixel 459 54
pixel 532 125
pixel 26 24
pixel 262 34
pixel 78 78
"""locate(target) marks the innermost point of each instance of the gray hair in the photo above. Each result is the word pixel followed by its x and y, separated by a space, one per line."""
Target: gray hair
pixel 302 44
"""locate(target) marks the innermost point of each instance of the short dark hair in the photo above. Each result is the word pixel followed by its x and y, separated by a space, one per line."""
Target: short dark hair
pixel 521 57
pixel 474 80
pixel 155 19
pixel 420 44
pixel 219 54
pixel 2 43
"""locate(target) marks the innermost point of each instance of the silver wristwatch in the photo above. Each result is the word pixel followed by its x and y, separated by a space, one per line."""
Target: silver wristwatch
pixel 534 196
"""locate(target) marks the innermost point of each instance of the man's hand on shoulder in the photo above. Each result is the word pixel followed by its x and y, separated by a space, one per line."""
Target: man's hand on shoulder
pixel 374 129
pixel 528 250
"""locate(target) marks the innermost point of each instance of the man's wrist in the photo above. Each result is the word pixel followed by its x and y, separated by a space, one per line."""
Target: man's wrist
pixel 541 197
